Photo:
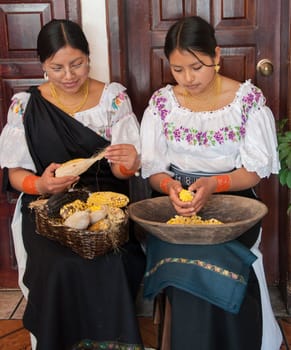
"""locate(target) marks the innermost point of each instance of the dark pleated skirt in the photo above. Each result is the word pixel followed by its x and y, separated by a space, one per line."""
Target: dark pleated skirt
pixel 199 325
pixel 72 299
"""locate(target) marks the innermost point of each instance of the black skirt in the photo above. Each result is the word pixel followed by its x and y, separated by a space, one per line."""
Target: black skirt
pixel 74 300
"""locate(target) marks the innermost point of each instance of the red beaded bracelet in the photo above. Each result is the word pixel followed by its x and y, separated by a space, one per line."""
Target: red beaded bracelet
pixel 29 184
pixel 164 184
pixel 124 171
pixel 223 183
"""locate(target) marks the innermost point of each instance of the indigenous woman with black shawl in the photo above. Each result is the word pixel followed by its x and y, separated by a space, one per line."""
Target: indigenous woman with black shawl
pixel 72 301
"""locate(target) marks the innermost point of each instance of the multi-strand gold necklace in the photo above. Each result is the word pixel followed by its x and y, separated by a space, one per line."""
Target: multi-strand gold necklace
pixel 205 101
pixel 68 109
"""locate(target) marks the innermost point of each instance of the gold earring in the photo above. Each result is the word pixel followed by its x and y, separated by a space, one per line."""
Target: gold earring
pixel 217 68
pixel 45 76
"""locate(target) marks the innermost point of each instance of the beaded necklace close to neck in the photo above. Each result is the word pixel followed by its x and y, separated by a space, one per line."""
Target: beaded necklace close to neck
pixel 66 108
pixel 206 101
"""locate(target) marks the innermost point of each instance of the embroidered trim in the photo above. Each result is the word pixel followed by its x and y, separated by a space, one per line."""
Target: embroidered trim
pixel 17 107
pixel 200 263
pixel 94 345
pixel 117 101
pixel 211 137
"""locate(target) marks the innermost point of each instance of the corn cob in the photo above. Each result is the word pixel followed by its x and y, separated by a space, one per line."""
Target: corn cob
pixel 72 207
pixel 78 166
pixel 56 201
pixel 112 199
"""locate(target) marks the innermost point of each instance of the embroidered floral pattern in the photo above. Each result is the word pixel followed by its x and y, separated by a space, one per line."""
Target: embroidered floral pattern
pixel 200 263
pixel 105 132
pixel 88 344
pixel 210 137
pixel 17 107
pixel 118 101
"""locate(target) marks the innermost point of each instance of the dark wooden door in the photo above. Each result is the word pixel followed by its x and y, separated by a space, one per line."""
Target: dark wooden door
pixel 20 22
pixel 247 31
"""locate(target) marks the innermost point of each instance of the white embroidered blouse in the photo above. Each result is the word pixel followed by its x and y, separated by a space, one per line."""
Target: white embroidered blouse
pixel 112 118
pixel 240 134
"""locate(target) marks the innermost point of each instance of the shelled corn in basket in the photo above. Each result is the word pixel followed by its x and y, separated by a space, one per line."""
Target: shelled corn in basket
pixel 90 224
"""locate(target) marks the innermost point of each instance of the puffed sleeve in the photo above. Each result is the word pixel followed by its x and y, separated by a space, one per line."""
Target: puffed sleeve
pixel 258 151
pixel 124 124
pixel 153 142
pixel 13 147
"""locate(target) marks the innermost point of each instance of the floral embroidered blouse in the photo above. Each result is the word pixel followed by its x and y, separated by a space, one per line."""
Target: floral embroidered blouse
pixel 112 119
pixel 240 134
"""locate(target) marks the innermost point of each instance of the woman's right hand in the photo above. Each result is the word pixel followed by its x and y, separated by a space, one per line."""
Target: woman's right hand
pixel 48 183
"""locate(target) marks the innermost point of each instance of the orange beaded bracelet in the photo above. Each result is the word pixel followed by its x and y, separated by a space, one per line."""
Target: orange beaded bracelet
pixel 223 183
pixel 164 184
pixel 29 184
pixel 124 171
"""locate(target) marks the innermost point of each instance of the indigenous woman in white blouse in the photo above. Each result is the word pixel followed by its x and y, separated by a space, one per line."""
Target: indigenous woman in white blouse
pixel 73 302
pixel 209 134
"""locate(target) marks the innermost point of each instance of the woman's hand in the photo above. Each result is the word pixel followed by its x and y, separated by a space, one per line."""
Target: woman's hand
pixel 48 183
pixel 202 189
pixel 123 157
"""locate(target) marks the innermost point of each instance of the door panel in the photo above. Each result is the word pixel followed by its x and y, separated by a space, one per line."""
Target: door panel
pixel 245 36
pixel 20 22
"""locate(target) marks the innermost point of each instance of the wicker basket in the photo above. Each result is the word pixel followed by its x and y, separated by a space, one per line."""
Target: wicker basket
pixel 87 244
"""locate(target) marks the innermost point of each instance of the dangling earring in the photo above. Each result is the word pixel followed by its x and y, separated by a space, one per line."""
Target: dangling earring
pixel 45 76
pixel 217 68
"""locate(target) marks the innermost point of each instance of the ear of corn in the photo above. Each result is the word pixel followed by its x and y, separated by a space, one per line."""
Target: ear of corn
pixel 72 207
pixel 112 199
pixel 78 166
pixel 56 201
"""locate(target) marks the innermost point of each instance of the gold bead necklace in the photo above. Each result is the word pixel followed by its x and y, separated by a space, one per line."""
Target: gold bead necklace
pixel 66 108
pixel 205 101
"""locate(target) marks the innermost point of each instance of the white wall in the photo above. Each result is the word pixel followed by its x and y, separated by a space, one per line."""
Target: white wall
pixel 94 26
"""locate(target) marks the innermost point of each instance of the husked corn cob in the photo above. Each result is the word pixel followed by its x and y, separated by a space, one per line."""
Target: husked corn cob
pixel 186 196
pixel 70 208
pixel 112 199
pixel 56 201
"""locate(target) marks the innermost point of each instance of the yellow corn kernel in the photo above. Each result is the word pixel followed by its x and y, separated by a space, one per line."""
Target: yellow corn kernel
pixel 186 196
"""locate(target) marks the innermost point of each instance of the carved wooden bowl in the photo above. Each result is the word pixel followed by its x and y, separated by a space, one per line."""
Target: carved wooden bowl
pixel 238 214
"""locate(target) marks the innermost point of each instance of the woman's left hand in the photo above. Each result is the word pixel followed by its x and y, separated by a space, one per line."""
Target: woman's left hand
pixel 123 155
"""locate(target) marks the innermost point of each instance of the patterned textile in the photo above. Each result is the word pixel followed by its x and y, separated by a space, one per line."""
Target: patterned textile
pixel 217 273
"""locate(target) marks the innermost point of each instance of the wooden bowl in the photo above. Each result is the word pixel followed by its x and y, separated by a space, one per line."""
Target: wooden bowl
pixel 238 214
